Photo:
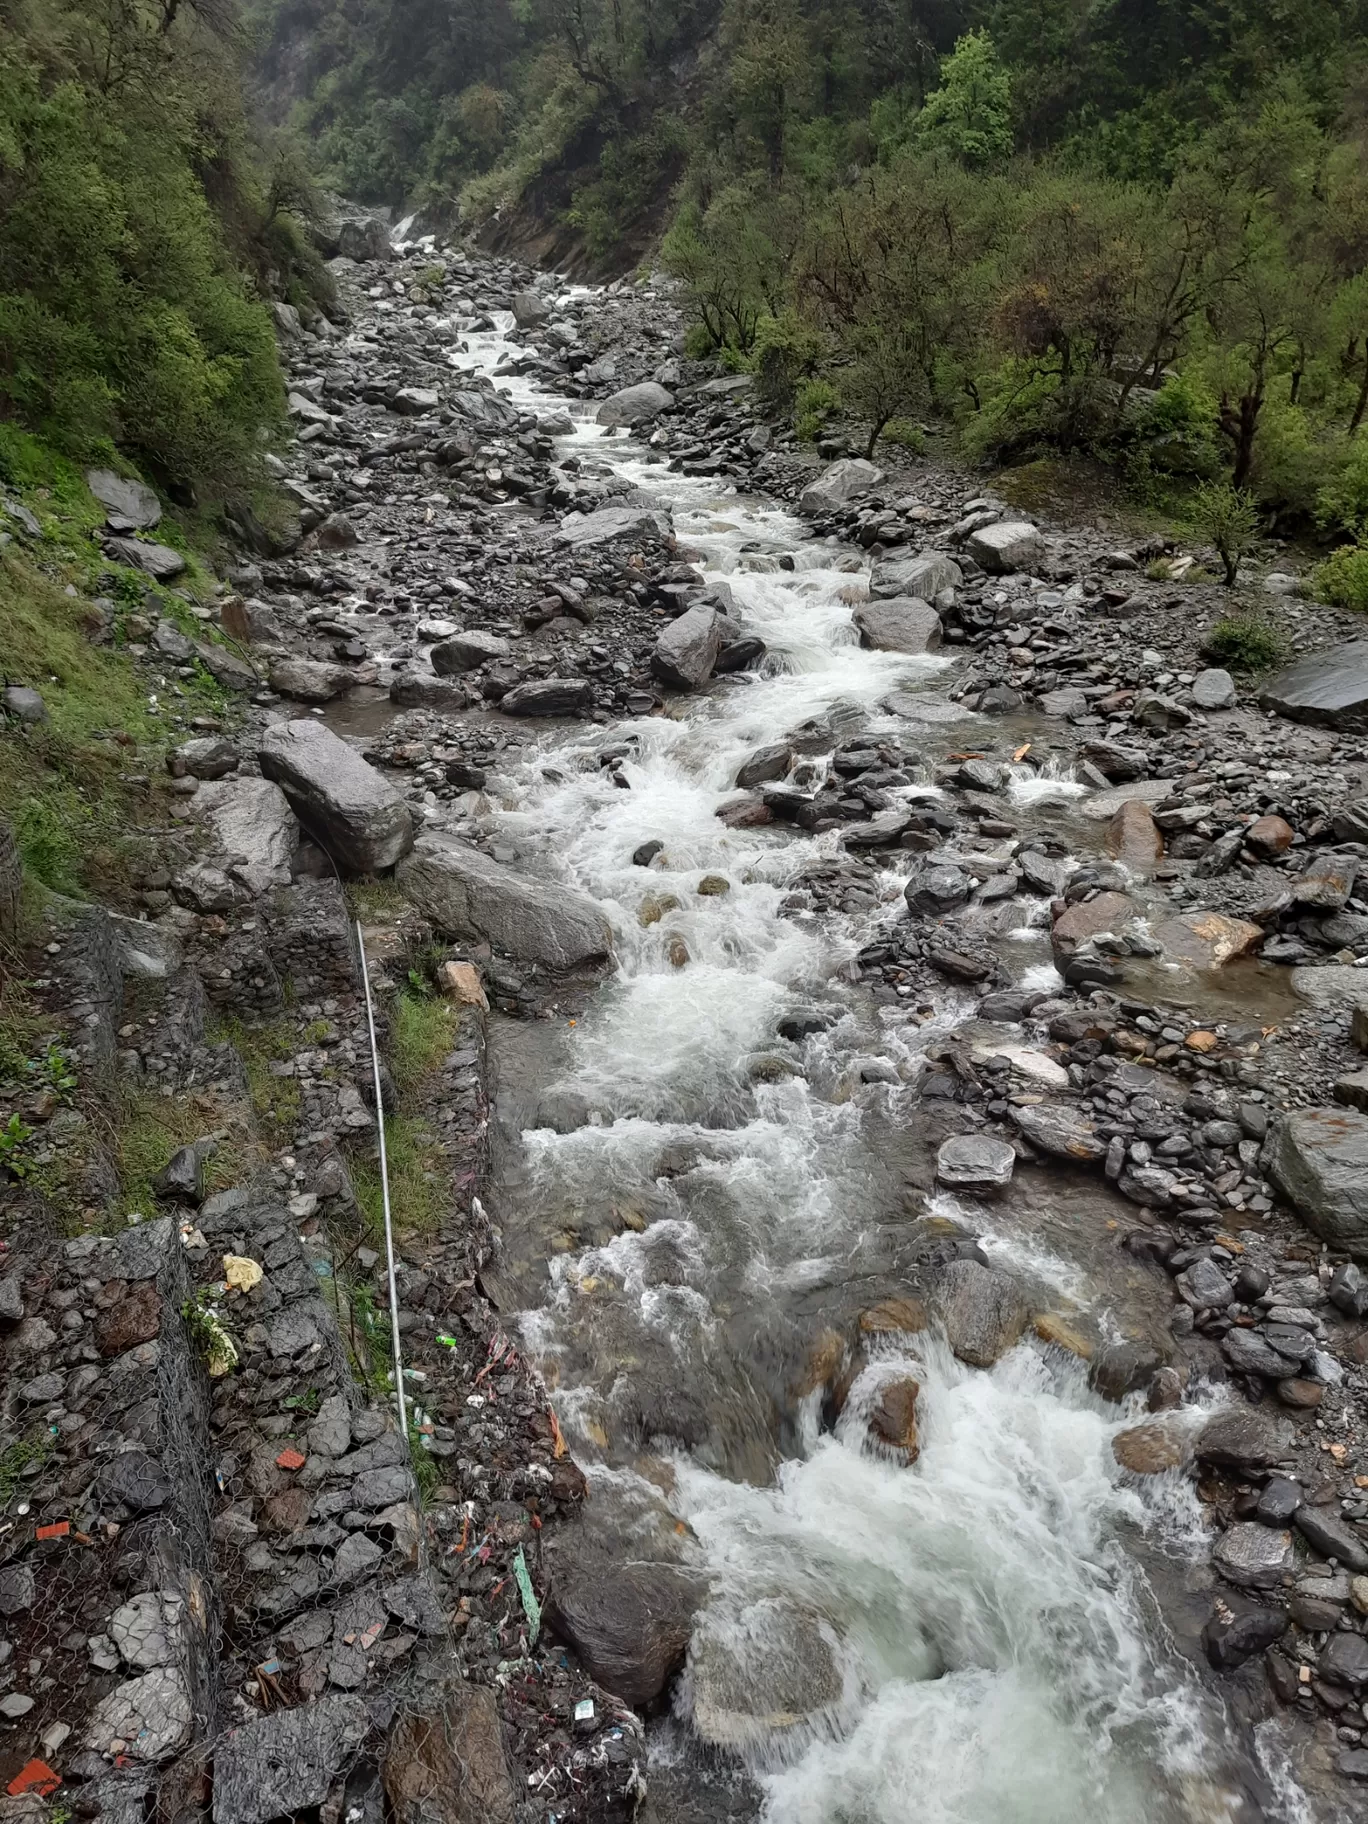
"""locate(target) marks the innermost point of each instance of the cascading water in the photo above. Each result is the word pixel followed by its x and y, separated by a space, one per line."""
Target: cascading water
pixel 967 1640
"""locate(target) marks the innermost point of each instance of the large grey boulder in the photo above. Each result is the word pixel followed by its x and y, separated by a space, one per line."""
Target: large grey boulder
pixel 687 650
pixel 844 481
pixel 1318 1158
pixel 1329 689
pixel 468 895
pixel 975 1162
pixel 549 697
pixel 635 404
pixel 609 523
pixel 353 811
pixel 126 499
pixel 1245 1437
pixel 159 562
pixel 529 309
pixel 251 824
pixel 983 1311
pixel 629 1626
pixel 903 624
pixel 365 237
pixel 923 575
pixel 1011 544
pixel 464 651
pixel 310 680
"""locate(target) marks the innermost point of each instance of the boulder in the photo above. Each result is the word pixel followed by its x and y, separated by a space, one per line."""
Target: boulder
pixel 975 1162
pixel 843 481
pixel 468 895
pixel 445 1761
pixel 1207 940
pixel 1254 1557
pixel 253 827
pixel 549 697
pixel 936 888
pixel 1057 1128
pixel 1090 918
pixel 1332 1537
pixel 609 523
pixel 127 499
pixel 923 575
pixel 24 704
pixel 765 765
pixel 893 1421
pixel 1150 1449
pixel 465 651
pixel 1318 1158
pixel 529 309
pixel 339 797
pixel 149 1717
pixel 1010 545
pixel 1230 1643
pixel 635 404
pixel 1133 836
pixel 770 1684
pixel 364 237
pixel 1335 985
pixel 1214 689
pixel 630 1626
pixel 419 690
pixel 1245 1438
pixel 310 680
pixel 1329 689
pixel 206 757
pixel 901 624
pixel 159 562
pixel 415 401
pixel 983 1311
pixel 687 650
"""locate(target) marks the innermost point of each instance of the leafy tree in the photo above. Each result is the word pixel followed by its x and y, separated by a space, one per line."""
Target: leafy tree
pixel 970 114
pixel 1230 519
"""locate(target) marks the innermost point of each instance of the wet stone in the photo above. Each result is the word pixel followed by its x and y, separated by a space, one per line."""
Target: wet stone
pixel 975 1162
pixel 1254 1556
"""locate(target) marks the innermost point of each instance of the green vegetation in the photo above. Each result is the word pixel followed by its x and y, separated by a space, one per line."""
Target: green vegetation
pixel 419 1194
pixel 1343 577
pixel 1229 518
pixel 20 1462
pixel 149 1128
pixel 422 1032
pixel 1245 642
pixel 139 222
pixel 260 1044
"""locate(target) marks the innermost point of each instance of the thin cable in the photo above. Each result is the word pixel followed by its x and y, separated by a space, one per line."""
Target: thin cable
pixel 384 1186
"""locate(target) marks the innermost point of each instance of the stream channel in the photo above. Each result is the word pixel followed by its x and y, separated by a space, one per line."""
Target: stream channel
pixel 985 1636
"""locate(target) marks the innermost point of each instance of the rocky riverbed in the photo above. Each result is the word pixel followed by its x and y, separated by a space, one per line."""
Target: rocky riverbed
pixel 899 1296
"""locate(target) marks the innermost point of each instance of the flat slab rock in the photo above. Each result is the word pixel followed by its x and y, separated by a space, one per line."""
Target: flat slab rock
pixel 468 894
pixel 1318 1158
pixel 1328 690
pixel 975 1162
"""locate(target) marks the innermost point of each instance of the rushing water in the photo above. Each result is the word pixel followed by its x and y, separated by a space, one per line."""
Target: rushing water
pixel 966 1641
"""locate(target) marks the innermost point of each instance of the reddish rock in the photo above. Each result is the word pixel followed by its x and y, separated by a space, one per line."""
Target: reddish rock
pixel 1107 912
pixel 894 1420
pixel 1133 836
pixel 1207 940
pixel 1270 835
pixel 135 1319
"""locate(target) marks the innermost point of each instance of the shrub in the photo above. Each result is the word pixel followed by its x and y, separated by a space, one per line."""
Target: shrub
pixel 814 402
pixel 1343 577
pixel 1229 518
pixel 1342 502
pixel 786 351
pixel 1245 642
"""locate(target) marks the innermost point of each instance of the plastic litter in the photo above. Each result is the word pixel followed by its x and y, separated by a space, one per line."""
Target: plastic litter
pixel 531 1607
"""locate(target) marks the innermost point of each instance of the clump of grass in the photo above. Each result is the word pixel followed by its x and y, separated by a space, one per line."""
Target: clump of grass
pixel 26 1454
pixel 416 1177
pixel 149 1128
pixel 1245 642
pixel 422 1032
pixel 276 1100
pixel 375 902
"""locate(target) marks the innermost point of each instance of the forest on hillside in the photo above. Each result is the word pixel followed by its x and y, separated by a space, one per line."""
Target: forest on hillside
pixel 1138 230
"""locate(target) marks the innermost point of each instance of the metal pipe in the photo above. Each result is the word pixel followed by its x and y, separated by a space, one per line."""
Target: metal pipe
pixel 384 1187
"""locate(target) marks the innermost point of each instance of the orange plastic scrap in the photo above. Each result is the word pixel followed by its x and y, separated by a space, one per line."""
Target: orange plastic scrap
pixel 58 1530
pixel 37 1777
pixel 291 1459
pixel 560 1445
